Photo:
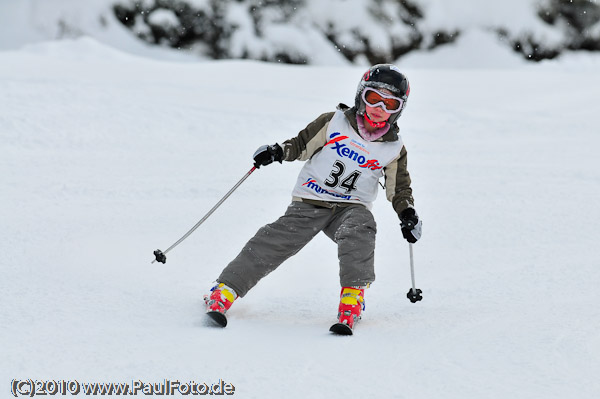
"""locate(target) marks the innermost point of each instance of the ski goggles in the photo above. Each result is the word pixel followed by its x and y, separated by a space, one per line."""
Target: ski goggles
pixel 389 103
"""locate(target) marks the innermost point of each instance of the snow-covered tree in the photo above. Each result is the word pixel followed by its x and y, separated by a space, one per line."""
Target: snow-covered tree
pixel 350 31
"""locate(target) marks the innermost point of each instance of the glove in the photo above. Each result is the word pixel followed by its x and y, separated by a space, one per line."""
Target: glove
pixel 411 225
pixel 266 154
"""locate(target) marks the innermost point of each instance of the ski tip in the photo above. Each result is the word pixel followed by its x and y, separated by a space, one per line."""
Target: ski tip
pixel 341 329
pixel 218 318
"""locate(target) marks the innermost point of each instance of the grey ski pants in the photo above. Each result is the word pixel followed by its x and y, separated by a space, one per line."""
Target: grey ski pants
pixel 351 227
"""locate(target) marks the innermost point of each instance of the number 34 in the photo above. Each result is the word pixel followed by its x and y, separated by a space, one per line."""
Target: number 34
pixel 336 177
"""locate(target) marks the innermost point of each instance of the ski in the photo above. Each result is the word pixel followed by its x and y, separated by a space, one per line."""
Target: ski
pixel 219 318
pixel 341 329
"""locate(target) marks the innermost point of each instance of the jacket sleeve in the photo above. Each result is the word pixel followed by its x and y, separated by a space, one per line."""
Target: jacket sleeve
pixel 397 183
pixel 309 141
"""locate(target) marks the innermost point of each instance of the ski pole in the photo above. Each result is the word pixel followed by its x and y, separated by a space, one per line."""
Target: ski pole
pixel 161 256
pixel 414 294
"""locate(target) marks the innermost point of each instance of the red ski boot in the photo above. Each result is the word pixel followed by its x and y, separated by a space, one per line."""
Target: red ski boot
pixel 219 302
pixel 352 303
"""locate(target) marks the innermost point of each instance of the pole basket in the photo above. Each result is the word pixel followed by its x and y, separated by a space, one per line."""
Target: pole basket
pixel 160 256
pixel 414 295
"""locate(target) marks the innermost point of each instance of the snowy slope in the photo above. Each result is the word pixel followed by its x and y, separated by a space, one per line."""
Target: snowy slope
pixel 106 157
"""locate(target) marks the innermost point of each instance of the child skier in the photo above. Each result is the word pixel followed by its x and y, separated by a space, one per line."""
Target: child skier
pixel 346 152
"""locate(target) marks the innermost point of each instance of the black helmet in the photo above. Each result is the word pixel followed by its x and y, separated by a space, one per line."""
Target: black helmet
pixel 383 76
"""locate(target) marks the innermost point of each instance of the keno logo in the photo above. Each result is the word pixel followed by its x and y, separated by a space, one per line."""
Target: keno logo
pixel 346 152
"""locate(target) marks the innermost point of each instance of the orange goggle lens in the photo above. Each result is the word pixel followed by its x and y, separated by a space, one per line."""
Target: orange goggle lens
pixel 375 98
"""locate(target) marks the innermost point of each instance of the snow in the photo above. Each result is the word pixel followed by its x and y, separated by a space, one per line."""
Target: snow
pixel 164 17
pixel 107 156
pixel 473 49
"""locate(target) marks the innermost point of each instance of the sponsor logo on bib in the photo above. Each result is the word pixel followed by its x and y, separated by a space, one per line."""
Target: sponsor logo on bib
pixel 343 150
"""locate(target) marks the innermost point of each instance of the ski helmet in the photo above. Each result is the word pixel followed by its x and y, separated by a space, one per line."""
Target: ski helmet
pixel 383 76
